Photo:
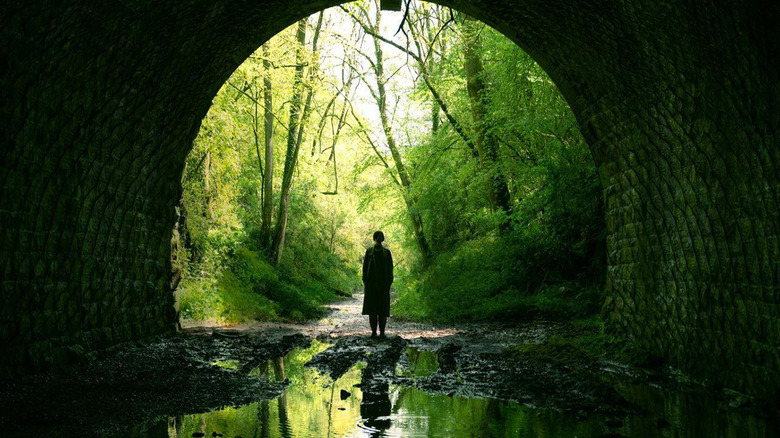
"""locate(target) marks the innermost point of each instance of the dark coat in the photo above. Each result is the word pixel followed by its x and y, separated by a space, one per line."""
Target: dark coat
pixel 377 278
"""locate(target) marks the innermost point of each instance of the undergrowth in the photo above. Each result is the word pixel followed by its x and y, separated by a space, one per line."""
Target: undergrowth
pixel 248 288
pixel 494 278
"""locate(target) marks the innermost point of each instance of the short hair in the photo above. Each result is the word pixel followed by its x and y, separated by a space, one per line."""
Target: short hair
pixel 379 236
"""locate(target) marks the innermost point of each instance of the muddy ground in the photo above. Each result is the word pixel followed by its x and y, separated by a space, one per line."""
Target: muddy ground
pixel 113 392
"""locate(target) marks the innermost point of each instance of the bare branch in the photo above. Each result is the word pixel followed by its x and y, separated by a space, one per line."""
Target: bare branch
pixel 278 120
pixel 364 131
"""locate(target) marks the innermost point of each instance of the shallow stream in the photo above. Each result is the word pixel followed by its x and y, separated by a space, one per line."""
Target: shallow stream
pixel 360 404
pixel 329 379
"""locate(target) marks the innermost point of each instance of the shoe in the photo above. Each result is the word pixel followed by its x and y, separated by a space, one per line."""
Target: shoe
pixel 373 335
pixel 382 336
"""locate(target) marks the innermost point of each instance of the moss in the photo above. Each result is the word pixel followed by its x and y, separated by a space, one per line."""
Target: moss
pixel 226 364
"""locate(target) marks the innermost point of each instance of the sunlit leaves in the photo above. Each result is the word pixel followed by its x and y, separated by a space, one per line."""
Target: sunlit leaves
pixel 557 219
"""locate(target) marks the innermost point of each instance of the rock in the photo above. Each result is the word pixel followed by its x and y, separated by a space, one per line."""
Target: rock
pixel 446 357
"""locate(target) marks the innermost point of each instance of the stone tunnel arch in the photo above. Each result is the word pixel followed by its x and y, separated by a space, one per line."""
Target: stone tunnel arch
pixel 678 100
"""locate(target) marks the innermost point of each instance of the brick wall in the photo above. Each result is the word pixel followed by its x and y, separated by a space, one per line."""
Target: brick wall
pixel 100 103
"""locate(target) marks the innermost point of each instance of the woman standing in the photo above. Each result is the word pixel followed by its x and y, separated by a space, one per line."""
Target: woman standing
pixel 377 278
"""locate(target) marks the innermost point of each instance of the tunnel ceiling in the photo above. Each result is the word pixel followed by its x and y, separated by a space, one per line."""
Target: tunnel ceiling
pixel 677 99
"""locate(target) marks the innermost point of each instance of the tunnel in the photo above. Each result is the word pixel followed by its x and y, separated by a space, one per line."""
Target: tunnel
pixel 677 99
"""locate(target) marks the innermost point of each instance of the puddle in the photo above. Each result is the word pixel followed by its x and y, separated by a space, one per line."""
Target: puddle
pixel 222 383
pixel 358 404
pixel 312 405
pixel 415 413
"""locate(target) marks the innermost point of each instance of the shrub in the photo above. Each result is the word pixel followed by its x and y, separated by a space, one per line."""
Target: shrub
pixel 494 278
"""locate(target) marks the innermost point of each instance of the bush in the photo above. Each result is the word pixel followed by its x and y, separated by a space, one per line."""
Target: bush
pixel 249 289
pixel 231 297
pixel 495 278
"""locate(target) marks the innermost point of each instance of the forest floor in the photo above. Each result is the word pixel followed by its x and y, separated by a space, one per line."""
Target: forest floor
pixel 110 394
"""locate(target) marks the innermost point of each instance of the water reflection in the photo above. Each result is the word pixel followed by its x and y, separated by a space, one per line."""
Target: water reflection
pixel 375 408
pixel 357 405
pixel 418 363
pixel 284 422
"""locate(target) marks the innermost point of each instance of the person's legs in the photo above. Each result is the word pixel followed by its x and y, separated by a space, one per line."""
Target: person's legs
pixel 382 325
pixel 372 321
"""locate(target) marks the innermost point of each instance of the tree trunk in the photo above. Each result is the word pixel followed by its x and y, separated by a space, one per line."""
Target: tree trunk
pixel 403 174
pixel 332 157
pixel 487 144
pixel 299 115
pixel 291 157
pixel 268 175
pixel 426 77
pixel 435 107
pixel 207 185
pixel 310 83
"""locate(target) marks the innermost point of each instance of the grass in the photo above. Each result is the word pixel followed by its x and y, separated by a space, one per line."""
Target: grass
pixel 491 279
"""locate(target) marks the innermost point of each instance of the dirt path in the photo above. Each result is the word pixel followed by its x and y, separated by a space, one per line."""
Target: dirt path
pixel 343 319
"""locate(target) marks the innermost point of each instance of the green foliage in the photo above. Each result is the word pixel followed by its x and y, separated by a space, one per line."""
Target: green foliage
pixel 494 278
pixel 236 283
pixel 550 262
pixel 249 288
pixel 227 277
pixel 543 259
pixel 294 299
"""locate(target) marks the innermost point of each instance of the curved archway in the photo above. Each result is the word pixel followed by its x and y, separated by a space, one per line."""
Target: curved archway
pixel 678 101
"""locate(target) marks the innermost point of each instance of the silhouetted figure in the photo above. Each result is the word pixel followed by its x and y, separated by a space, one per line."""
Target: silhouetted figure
pixel 377 278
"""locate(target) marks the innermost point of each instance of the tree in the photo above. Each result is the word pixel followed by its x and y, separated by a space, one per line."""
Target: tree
pixel 486 142
pixel 295 129
pixel 380 95
pixel 268 175
pixel 487 137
